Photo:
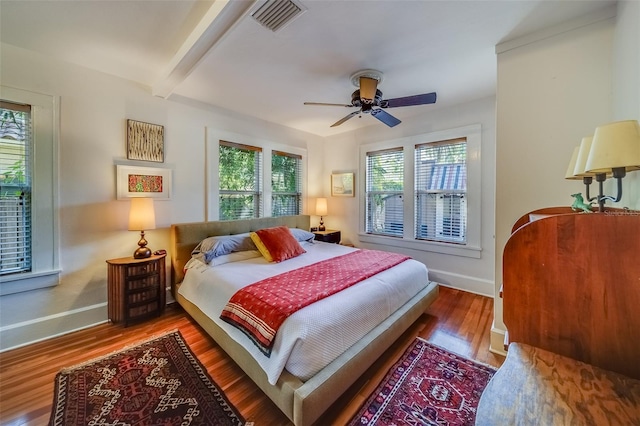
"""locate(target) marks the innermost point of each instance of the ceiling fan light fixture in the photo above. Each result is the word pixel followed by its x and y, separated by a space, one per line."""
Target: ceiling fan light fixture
pixel 368 73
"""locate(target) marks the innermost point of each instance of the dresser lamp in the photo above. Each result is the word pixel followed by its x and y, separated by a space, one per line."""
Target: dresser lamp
pixel 321 210
pixel 577 165
pixel 615 150
pixel 142 217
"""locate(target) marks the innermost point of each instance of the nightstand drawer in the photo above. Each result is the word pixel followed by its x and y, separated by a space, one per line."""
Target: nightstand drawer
pixel 142 269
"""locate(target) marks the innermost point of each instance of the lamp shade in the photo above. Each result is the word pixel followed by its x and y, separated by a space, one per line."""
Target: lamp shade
pixel 142 215
pixel 321 206
pixel 581 159
pixel 615 145
pixel 570 173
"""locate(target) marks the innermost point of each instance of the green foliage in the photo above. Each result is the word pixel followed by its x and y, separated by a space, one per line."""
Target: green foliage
pixel 238 169
pixel 239 183
pixel 284 174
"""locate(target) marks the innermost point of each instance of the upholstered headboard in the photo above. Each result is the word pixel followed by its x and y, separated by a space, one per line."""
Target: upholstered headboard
pixel 186 236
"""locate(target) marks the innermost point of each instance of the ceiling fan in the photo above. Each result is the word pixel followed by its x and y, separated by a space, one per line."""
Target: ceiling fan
pixel 368 98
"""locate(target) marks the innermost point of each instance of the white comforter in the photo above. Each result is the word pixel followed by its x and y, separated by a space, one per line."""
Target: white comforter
pixel 314 336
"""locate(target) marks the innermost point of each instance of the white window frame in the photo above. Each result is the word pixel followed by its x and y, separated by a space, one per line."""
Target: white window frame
pixel 45 269
pixel 472 248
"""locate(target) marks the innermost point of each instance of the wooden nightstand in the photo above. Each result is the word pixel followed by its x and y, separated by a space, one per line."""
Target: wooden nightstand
pixel 136 288
pixel 328 236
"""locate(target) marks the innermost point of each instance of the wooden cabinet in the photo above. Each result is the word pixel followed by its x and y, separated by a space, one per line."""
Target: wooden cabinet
pixel 136 288
pixel 328 236
pixel 570 286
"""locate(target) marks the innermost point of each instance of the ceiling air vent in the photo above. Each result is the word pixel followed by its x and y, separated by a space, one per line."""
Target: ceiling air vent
pixel 274 14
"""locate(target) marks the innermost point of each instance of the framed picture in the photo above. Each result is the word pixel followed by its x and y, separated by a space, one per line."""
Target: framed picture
pixel 145 141
pixel 134 181
pixel 342 185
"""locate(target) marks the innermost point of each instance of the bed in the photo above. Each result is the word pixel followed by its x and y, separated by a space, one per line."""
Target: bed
pixel 307 392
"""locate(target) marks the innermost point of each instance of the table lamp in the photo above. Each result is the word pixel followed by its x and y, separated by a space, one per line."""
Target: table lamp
pixel 142 217
pixel 321 210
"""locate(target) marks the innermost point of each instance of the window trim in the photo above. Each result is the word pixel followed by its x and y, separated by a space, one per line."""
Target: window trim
pixel 473 248
pixel 45 268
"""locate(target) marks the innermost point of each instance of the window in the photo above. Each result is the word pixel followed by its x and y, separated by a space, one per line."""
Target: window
pixel 441 185
pixel 240 171
pixel 385 192
pixel 423 192
pixel 15 188
pixel 286 185
pixel 36 251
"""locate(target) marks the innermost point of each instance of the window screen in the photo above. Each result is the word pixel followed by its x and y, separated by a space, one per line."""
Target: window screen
pixel 240 168
pixel 384 192
pixel 441 186
pixel 15 188
pixel 286 184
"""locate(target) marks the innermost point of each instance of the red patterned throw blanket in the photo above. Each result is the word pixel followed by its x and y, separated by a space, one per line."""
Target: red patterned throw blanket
pixel 259 309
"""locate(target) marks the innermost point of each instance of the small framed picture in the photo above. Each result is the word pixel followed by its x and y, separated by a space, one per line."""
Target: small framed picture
pixel 134 181
pixel 145 141
pixel 342 185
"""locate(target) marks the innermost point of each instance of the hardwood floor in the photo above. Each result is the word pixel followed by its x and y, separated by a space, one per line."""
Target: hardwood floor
pixel 457 321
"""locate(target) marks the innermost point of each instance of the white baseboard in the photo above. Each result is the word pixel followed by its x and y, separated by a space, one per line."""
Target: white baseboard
pixel 497 341
pixel 24 333
pixel 463 282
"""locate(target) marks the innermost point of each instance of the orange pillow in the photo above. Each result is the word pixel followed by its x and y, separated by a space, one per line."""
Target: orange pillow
pixel 277 244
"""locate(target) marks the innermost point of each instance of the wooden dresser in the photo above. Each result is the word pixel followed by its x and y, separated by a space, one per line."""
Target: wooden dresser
pixel 571 290
pixel 571 285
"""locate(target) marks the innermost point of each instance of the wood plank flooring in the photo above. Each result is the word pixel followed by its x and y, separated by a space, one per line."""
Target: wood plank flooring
pixel 457 321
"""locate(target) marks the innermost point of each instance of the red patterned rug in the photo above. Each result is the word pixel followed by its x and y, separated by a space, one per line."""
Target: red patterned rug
pixel 157 382
pixel 427 386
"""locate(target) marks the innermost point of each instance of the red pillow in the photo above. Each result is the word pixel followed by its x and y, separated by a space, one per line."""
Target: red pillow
pixel 280 243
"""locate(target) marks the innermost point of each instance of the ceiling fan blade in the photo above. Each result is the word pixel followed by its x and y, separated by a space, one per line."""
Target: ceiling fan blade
pixel 368 88
pixel 326 104
pixel 426 98
pixel 342 120
pixel 385 117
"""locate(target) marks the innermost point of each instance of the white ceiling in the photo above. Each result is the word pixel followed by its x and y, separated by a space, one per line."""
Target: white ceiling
pixel 216 53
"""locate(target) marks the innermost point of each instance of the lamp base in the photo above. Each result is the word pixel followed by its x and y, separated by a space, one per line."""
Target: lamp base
pixel 142 253
pixel 321 226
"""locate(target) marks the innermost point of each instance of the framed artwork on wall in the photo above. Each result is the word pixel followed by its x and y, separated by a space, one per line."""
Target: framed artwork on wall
pixel 342 185
pixel 145 141
pixel 135 181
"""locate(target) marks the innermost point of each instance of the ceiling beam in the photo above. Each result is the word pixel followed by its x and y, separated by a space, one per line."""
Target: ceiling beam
pixel 221 17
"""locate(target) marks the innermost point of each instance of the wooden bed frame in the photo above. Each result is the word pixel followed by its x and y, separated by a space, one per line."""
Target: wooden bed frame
pixel 302 402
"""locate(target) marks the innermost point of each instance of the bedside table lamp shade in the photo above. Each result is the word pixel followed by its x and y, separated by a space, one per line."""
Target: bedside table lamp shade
pixel 321 210
pixel 142 217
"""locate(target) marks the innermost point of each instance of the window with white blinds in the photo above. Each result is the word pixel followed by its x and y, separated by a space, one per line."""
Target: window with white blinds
pixel 240 171
pixel 440 189
pixel 384 192
pixel 286 183
pixel 15 188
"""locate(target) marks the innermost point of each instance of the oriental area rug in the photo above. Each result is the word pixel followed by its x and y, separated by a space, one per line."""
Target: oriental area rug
pixel 427 386
pixel 156 382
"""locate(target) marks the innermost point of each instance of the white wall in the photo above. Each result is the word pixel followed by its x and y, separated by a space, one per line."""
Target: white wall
pixel 626 85
pixel 94 108
pixel 551 93
pixel 342 155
